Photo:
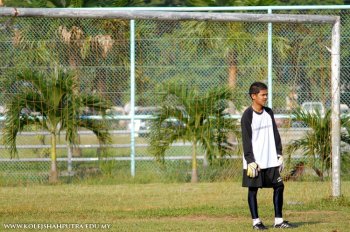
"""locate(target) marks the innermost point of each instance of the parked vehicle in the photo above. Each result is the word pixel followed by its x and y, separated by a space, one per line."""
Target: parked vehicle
pixel 143 119
pixel 143 115
pixel 2 113
pixel 344 110
pixel 116 111
pixel 313 107
pixel 2 110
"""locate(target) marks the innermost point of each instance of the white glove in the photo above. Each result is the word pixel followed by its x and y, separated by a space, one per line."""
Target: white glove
pixel 280 163
pixel 252 170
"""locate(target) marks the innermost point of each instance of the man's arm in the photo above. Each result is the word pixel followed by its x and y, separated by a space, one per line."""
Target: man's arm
pixel 276 133
pixel 246 122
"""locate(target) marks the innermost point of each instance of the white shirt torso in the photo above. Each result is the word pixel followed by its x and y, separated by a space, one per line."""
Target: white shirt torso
pixel 263 141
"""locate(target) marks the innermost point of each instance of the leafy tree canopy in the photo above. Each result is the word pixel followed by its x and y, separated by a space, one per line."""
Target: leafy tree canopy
pixel 311 2
pixel 60 3
pixel 164 3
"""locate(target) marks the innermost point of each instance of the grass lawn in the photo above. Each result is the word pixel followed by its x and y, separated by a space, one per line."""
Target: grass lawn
pixel 171 207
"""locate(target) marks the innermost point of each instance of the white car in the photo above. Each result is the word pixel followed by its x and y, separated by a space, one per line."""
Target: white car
pixel 141 125
pixel 344 110
pixel 312 107
pixel 3 110
pixel 2 113
pixel 116 111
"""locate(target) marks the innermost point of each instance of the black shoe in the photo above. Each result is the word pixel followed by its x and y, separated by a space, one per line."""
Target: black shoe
pixel 284 224
pixel 259 226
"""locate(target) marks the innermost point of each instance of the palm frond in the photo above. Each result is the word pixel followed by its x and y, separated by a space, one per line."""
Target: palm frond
pixel 99 128
pixel 180 94
pixel 96 103
pixel 76 3
pixel 16 119
pixel 161 137
pixel 317 141
pixel 218 130
pixel 201 117
pixel 69 116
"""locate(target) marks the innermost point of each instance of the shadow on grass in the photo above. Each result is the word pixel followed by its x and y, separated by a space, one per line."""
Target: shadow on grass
pixel 300 224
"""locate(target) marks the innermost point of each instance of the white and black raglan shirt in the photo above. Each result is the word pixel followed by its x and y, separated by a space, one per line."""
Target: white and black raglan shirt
pixel 261 140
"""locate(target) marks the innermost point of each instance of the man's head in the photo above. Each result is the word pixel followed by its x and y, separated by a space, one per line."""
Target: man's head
pixel 256 87
pixel 258 92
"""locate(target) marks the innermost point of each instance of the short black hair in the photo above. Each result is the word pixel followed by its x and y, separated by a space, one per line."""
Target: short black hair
pixel 256 87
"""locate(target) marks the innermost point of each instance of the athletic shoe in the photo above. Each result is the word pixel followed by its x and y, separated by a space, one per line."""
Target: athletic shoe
pixel 259 226
pixel 284 224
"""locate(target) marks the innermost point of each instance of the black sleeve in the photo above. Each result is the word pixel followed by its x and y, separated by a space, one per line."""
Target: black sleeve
pixel 246 125
pixel 275 132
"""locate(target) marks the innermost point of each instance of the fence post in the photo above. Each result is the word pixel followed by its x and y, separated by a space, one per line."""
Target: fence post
pixel 132 96
pixel 269 60
pixel 69 158
pixel 335 133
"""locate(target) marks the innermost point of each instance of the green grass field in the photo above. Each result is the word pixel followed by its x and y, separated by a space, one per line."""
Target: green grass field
pixel 171 207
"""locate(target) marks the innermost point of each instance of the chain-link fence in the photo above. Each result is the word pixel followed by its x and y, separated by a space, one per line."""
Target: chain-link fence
pixel 200 54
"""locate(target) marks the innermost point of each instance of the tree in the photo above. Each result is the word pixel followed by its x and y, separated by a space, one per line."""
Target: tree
pixel 235 44
pixel 198 118
pixel 21 3
pixel 54 103
pixel 316 143
pixel 311 2
pixel 257 2
pixel 72 3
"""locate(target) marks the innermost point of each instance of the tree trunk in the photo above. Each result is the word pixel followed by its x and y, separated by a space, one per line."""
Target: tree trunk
pixel 1 3
pixel 205 160
pixel 232 78
pixel 69 156
pixel 74 61
pixel 194 177
pixel 319 173
pixel 76 151
pixel 232 71
pixel 53 178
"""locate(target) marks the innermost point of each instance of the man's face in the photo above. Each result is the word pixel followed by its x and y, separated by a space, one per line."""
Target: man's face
pixel 261 97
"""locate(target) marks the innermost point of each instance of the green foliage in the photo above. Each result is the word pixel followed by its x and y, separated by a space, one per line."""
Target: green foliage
pixel 51 101
pixel 316 143
pixel 191 116
pixel 25 3
pixel 345 165
pixel 162 3
pixel 257 2
pixel 311 2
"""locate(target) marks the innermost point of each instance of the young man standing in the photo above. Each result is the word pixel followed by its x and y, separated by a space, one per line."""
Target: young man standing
pixel 263 161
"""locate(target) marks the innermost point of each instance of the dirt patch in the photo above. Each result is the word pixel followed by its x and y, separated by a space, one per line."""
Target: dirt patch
pixel 198 218
pixel 204 218
pixel 312 212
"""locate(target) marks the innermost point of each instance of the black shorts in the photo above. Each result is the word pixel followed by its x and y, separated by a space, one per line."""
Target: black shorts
pixel 267 178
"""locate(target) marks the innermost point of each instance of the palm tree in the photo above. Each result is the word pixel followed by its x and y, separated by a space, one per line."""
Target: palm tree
pixel 188 115
pixel 316 143
pixel 54 103
pixel 237 42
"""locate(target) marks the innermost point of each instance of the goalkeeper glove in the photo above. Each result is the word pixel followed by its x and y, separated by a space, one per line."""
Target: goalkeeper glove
pixel 252 170
pixel 280 163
